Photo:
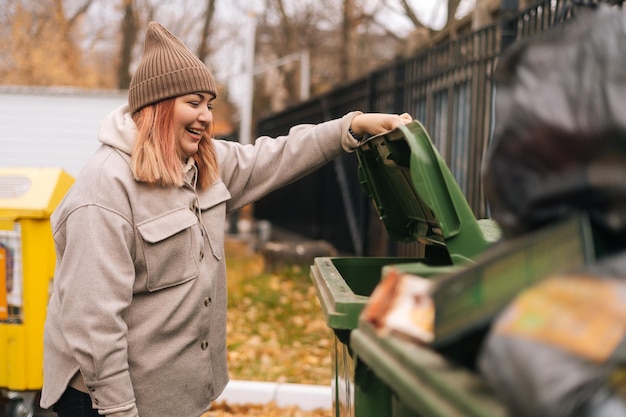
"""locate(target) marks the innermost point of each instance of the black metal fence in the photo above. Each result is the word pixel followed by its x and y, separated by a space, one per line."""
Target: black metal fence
pixel 448 88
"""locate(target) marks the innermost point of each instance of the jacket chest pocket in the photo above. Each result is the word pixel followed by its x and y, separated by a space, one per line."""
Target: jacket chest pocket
pixel 170 244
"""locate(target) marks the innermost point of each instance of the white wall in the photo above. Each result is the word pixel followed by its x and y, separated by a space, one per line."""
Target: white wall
pixel 54 127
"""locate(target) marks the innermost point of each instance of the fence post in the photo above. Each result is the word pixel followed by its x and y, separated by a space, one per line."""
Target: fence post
pixel 508 23
pixel 400 84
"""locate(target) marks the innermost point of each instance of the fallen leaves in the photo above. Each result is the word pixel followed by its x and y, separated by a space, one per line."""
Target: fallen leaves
pixel 276 329
pixel 276 332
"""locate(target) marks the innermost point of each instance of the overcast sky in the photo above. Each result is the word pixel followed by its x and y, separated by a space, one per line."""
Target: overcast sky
pixel 435 10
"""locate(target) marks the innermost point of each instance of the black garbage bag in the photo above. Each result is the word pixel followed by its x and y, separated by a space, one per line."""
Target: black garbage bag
pixel 559 139
pixel 559 349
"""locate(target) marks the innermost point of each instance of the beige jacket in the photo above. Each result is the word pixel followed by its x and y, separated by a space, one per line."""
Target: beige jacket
pixel 139 298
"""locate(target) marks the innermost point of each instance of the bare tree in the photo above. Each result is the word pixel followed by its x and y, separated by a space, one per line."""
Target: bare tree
pixel 41 45
pixel 337 35
pixel 453 5
pixel 80 11
pixel 348 44
pixel 67 23
pixel 482 10
pixel 284 31
pixel 203 46
pixel 409 11
pixel 291 31
pixel 129 29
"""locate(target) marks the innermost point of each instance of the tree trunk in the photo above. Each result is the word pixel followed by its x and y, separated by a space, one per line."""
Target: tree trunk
pixel 451 22
pixel 203 47
pixel 347 29
pixel 129 36
pixel 481 15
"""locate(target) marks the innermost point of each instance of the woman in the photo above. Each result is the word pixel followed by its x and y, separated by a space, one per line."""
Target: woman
pixel 136 324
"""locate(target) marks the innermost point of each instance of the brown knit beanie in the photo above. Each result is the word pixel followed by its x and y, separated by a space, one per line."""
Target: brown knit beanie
pixel 167 69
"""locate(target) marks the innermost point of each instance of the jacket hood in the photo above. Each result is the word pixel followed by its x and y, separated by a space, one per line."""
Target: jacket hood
pixel 119 130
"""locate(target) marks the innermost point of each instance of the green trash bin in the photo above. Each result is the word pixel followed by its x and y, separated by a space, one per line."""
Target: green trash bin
pixel 440 380
pixel 417 199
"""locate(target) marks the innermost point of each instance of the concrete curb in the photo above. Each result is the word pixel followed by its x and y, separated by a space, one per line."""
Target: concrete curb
pixel 306 397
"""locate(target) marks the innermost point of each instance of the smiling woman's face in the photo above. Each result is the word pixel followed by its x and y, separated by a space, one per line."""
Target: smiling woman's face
pixel 192 118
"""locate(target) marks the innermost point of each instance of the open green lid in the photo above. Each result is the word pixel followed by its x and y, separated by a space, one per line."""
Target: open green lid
pixel 416 196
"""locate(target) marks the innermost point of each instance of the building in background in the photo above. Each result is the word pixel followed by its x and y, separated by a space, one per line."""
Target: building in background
pixel 52 127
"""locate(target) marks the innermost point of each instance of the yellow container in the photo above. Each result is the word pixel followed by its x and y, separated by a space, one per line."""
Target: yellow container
pixel 28 196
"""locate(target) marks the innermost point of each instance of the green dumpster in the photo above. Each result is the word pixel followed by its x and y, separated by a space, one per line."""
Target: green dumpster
pixel 439 380
pixel 417 199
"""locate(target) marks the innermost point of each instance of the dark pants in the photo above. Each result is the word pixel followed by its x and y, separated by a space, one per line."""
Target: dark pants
pixel 74 403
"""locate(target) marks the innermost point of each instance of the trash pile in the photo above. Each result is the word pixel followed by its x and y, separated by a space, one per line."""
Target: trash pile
pixel 549 299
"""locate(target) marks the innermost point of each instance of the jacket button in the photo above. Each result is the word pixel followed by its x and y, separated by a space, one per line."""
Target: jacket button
pixel 204 345
pixel 207 301
pixel 201 255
